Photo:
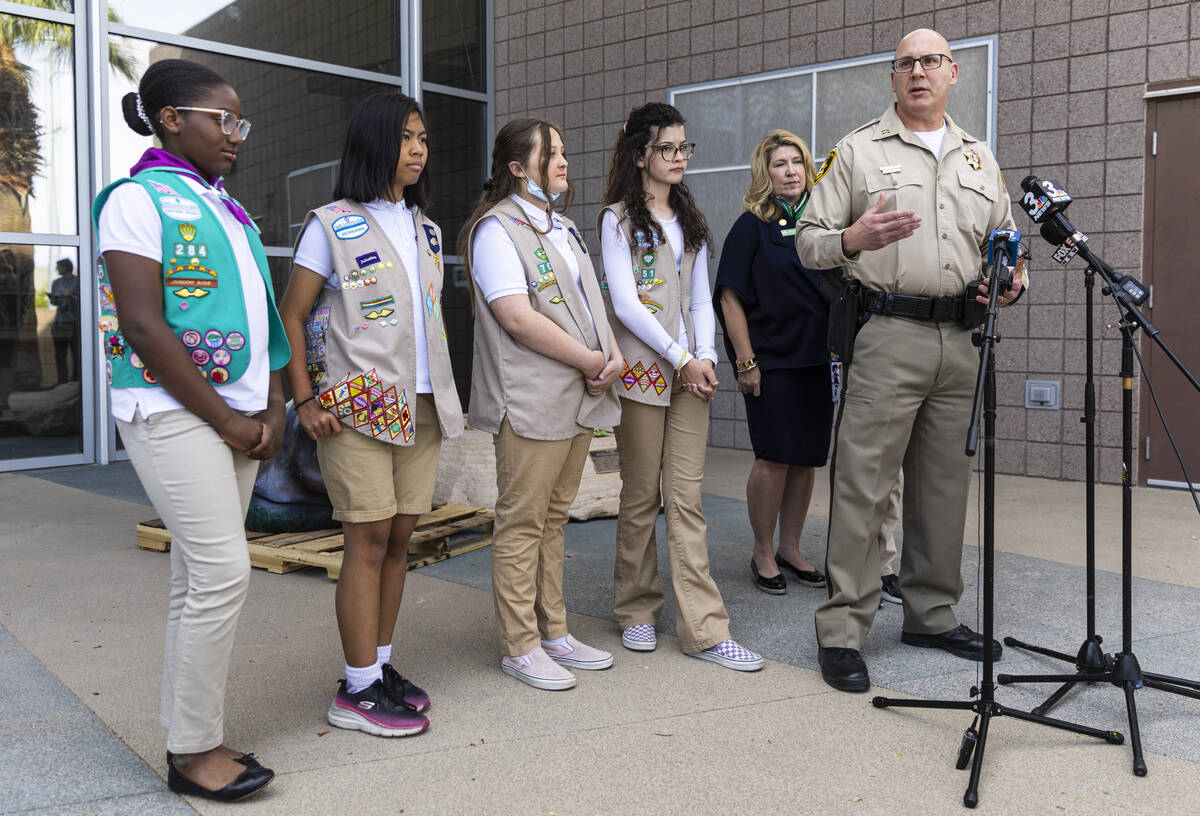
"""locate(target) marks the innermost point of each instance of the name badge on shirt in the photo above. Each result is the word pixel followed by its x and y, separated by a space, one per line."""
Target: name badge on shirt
pixel 890 168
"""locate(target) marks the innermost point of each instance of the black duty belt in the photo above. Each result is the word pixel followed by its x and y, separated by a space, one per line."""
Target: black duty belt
pixel 919 307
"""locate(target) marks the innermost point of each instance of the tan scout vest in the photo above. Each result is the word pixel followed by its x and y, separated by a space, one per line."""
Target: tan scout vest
pixel 543 398
pixel 360 344
pixel 666 294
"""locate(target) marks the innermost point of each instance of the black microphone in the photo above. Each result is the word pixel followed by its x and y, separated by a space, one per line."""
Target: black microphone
pixel 1043 199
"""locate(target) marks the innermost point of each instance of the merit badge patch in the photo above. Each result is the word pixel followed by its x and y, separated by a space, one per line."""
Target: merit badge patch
pixel 350 226
pixel 431 236
pixel 656 378
pixel 180 209
pixel 165 189
pixel 190 280
pixel 652 306
pixel 378 308
pixel 826 165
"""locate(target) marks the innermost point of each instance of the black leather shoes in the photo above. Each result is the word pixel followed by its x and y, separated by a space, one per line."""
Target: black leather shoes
pixel 810 577
pixel 960 641
pixel 776 585
pixel 248 782
pixel 844 669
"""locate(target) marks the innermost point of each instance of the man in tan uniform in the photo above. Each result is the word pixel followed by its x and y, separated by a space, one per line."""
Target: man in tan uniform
pixel 906 205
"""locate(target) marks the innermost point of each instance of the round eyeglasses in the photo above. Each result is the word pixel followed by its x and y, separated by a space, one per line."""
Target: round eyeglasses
pixel 669 151
pixel 929 62
pixel 229 120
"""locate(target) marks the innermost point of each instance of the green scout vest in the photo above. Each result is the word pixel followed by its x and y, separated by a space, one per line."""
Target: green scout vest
pixel 360 345
pixel 203 302
pixel 666 294
pixel 542 398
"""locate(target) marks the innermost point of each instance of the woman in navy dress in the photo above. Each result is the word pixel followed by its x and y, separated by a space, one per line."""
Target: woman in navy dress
pixel 775 322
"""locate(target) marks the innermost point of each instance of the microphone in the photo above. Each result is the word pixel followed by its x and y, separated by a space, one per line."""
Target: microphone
pixel 1008 242
pixel 1045 202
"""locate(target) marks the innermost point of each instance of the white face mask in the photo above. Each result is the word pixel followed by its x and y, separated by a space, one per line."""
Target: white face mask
pixel 536 190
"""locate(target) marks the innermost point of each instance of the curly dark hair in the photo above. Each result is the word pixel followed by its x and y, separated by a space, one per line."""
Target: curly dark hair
pixel 625 177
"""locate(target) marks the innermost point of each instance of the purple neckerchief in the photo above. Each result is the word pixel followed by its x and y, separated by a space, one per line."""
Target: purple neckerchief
pixel 157 159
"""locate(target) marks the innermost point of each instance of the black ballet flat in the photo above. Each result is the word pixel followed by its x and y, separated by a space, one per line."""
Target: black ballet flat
pixel 776 585
pixel 248 760
pixel 811 577
pixel 248 782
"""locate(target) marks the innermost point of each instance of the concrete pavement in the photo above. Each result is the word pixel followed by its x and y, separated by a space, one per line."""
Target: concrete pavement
pixel 82 611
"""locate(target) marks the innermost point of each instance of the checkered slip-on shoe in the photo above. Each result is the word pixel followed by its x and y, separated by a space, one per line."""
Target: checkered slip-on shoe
pixel 729 654
pixel 373 710
pixel 577 655
pixel 639 638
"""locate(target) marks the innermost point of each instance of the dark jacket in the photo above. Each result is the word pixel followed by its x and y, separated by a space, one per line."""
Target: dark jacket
pixel 786 314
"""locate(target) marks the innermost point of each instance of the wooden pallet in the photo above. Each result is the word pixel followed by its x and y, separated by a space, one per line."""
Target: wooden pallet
pixel 447 531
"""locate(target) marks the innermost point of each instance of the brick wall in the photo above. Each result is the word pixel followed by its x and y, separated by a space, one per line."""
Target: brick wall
pixel 1070 107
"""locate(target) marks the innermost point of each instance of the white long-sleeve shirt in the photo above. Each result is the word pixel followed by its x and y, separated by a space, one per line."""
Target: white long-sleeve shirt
pixel 622 289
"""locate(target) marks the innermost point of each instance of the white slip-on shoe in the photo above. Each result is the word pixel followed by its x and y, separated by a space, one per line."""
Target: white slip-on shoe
pixel 538 670
pixel 731 655
pixel 639 637
pixel 577 655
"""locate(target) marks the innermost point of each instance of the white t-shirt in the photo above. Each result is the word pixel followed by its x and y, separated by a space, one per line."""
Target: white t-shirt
pixel 396 220
pixel 622 290
pixel 496 265
pixel 933 138
pixel 130 223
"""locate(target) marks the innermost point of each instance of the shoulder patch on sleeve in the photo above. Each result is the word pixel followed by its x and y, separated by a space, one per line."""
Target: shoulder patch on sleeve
pixel 826 165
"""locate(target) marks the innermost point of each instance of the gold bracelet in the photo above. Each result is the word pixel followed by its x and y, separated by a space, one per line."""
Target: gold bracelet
pixel 746 365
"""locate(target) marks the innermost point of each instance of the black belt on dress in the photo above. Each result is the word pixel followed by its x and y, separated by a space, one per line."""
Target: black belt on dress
pixel 919 307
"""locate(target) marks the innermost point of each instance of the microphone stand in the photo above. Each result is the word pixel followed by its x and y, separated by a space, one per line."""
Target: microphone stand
pixel 985 706
pixel 1121 669
pixel 1089 660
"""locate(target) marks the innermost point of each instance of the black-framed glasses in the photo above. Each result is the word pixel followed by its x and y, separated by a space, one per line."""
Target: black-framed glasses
pixel 669 151
pixel 229 120
pixel 929 62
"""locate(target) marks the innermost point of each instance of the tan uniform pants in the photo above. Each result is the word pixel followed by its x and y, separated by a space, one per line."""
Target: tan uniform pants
pixel 887 531
pixel 907 403
pixel 536 481
pixel 200 488
pixel 664 447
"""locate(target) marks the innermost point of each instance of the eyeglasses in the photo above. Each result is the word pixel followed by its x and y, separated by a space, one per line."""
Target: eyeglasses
pixel 929 62
pixel 228 119
pixel 669 151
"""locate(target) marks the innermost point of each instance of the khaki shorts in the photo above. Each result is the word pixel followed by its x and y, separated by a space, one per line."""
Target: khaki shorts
pixel 369 480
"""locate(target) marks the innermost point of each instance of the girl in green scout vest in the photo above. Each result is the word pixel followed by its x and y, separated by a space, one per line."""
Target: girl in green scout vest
pixel 543 364
pixel 654 242
pixel 194 347
pixel 374 388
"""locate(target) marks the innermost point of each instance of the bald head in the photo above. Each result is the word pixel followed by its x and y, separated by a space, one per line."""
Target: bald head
pixel 926 37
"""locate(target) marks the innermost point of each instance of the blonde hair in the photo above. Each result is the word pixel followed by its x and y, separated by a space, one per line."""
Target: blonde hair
pixel 758 198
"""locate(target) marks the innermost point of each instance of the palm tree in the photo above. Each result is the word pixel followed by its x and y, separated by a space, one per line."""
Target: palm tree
pixel 20 161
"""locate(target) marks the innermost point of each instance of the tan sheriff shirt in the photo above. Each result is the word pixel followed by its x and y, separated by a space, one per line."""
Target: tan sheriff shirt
pixel 960 198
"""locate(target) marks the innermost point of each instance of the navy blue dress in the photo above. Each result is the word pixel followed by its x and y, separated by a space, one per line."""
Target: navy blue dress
pixel 791 421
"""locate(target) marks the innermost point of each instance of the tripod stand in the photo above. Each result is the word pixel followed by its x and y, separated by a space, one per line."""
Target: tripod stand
pixel 985 707
pixel 1092 665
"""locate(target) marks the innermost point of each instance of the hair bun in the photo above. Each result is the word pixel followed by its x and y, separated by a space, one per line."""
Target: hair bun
pixel 129 109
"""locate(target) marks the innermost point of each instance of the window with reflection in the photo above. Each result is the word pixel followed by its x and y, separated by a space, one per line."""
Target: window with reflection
pixel 37 126
pixel 41 407
pixel 452 33
pixel 299 118
pixel 364 34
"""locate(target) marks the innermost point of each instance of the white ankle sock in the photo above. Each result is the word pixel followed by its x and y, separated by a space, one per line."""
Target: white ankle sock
pixel 359 678
pixel 383 654
pixel 562 641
